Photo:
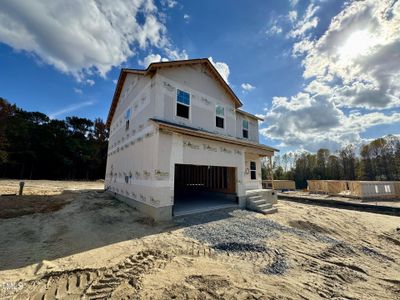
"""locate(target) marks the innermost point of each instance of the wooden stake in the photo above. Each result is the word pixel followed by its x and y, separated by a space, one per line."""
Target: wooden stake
pixel 21 187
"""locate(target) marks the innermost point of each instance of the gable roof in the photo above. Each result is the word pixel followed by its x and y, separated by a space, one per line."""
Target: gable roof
pixel 249 115
pixel 151 69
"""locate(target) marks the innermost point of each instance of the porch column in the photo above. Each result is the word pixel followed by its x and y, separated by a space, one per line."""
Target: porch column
pixel 271 172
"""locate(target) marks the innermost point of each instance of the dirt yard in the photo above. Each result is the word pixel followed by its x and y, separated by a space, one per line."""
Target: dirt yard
pixel 91 246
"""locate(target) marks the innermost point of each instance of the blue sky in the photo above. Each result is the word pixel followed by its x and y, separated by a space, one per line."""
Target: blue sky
pixel 323 73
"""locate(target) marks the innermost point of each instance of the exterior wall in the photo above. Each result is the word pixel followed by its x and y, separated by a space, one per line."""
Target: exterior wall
pixel 205 93
pixel 141 159
pixel 253 127
pixel 252 184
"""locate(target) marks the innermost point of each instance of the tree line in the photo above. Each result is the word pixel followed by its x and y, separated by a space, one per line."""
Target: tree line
pixel 377 160
pixel 34 146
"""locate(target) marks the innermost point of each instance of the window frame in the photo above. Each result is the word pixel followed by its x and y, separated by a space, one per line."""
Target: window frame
pixel 221 117
pixel 253 170
pixel 184 104
pixel 245 129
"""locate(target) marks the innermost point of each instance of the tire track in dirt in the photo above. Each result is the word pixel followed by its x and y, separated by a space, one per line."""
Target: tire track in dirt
pixel 96 283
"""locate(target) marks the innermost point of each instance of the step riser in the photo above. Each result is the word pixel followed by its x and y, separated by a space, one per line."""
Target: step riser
pixel 258 203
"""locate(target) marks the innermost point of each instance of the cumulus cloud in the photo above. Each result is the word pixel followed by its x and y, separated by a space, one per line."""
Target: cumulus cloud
pixel 247 87
pixel 274 26
pixel 313 122
pixel 309 21
pixel 222 68
pixel 358 56
pixel 78 91
pixel 293 3
pixel 81 37
pixel 292 16
pixel 352 78
pixel 145 62
pixel 186 17
pixel 171 55
pixel 90 82
pixel 169 3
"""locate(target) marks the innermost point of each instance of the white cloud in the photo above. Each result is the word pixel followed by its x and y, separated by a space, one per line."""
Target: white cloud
pixel 90 82
pixel 315 122
pixel 247 87
pixel 292 16
pixel 175 54
pixel 274 26
pixel 222 68
pixel 309 21
pixel 171 55
pixel 358 56
pixel 353 79
pixel 169 3
pixel 69 109
pixel 81 37
pixel 293 3
pixel 150 59
pixel 186 17
pixel 78 91
pixel 274 30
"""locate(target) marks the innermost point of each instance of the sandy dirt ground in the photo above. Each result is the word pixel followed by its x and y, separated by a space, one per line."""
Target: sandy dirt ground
pixel 95 247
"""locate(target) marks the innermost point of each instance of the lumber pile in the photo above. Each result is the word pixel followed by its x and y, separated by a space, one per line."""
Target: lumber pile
pixel 356 189
pixel 279 184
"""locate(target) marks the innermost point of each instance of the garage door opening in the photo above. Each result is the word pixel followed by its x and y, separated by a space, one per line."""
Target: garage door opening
pixel 202 188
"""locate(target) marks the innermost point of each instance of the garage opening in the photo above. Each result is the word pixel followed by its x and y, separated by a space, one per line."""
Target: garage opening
pixel 201 188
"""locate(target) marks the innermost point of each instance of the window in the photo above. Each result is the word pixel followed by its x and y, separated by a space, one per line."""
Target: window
pixel 387 188
pixel 182 104
pixel 253 170
pixel 245 125
pixel 220 116
pixel 127 117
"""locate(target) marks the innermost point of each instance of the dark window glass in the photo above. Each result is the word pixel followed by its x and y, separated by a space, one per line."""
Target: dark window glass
pixel 245 133
pixel 127 125
pixel 182 110
pixel 253 170
pixel 219 122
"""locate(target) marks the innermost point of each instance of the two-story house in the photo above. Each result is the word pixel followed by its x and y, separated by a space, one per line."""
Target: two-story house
pixel 179 142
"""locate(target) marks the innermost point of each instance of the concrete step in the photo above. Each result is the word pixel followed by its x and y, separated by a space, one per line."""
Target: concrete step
pixel 269 211
pixel 264 206
pixel 255 197
pixel 259 201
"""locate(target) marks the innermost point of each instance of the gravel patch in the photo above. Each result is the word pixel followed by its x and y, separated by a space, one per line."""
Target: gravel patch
pixel 242 228
pixel 278 267
pixel 241 232
pixel 240 247
pixel 376 254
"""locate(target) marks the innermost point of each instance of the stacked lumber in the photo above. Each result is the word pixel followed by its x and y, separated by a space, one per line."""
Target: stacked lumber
pixel 357 189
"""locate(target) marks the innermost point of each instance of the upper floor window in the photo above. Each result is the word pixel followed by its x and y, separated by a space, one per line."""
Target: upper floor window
pixel 127 117
pixel 182 104
pixel 219 116
pixel 245 126
pixel 253 170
